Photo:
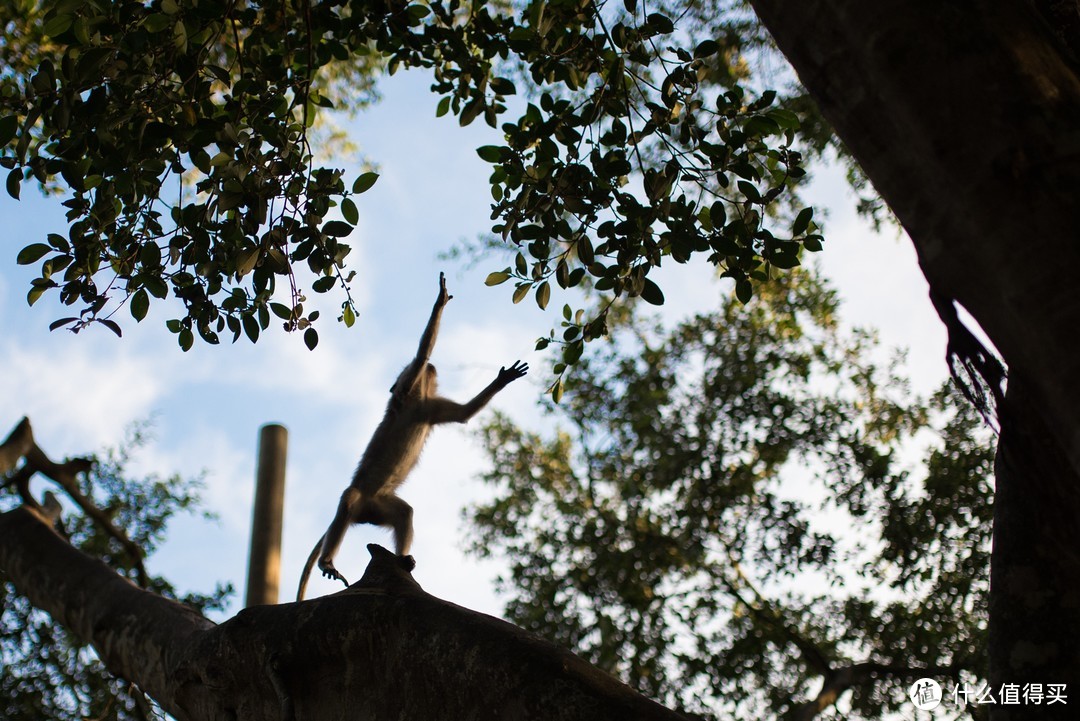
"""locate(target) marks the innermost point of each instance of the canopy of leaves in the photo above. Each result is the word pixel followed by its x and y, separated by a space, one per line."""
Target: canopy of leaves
pixel 179 129
pixel 47 673
pixel 728 520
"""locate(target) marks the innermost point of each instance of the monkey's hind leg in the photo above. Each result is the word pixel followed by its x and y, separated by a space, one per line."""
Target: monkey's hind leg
pixel 347 513
pixel 390 511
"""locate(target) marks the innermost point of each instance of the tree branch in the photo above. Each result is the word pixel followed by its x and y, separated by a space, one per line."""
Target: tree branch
pixel 20 444
pixel 382 648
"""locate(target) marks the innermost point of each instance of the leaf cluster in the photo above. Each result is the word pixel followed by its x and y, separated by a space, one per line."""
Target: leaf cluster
pixel 180 131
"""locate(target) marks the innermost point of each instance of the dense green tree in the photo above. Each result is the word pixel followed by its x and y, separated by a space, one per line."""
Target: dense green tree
pixel 727 516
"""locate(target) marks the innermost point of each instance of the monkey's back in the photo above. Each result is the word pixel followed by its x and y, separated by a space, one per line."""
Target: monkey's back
pixel 393 451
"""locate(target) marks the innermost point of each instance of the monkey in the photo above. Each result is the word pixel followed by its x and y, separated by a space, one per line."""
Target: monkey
pixel 394 449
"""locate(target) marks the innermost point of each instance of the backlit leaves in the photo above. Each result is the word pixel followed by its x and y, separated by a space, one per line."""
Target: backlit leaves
pixel 181 129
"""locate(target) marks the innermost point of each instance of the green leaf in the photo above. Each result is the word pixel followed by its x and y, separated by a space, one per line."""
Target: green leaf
pixel 245 262
pixel 111 325
pixel 557 391
pixel 349 211
pixel 543 295
pixel 9 125
pixel 718 214
pixel 32 253
pixel 186 339
pixel 744 290
pixel 60 322
pixel 749 190
pixel 180 38
pixel 324 284
pixel 443 107
pixel 311 338
pixel 348 315
pixel 520 292
pixel 14 182
pixel 251 327
pixel 585 250
pixel 802 221
pixel 502 86
pixel 281 311
pixel 157 287
pixel 57 26
pixel 140 304
pixel 496 278
pixel 470 111
pixel 706 48
pixel 785 260
pixel 651 293
pixel 157 22
pixel 660 23
pixel 337 228
pixel 364 182
pixel 490 153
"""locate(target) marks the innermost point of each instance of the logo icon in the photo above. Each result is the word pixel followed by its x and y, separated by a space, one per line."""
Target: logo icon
pixel 925 694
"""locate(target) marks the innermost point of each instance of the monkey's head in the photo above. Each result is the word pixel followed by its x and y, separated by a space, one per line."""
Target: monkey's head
pixel 429 380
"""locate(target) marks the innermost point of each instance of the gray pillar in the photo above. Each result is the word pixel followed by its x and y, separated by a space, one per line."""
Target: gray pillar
pixel 264 560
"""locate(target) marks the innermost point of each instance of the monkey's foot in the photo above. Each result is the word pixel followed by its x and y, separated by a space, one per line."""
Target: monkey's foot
pixel 330 572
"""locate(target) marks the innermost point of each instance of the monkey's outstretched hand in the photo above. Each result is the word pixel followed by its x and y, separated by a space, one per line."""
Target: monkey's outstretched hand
pixel 328 570
pixel 511 374
pixel 444 297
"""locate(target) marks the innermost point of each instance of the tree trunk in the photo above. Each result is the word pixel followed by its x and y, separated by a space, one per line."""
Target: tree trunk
pixel 382 649
pixel 1035 577
pixel 965 117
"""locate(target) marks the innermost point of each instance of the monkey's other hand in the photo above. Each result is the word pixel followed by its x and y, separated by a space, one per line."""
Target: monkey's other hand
pixel 444 297
pixel 511 374
pixel 330 572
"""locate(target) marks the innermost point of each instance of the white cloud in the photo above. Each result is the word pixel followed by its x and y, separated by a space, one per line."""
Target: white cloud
pixel 78 395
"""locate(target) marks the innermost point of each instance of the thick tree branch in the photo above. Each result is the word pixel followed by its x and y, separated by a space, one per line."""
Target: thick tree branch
pixel 381 649
pixel 21 442
pixel 16 445
pixel 137 634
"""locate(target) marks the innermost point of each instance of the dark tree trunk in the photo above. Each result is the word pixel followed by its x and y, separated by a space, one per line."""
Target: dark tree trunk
pixel 1035 594
pixel 966 117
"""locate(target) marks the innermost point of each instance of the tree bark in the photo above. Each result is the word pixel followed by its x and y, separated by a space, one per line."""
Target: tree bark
pixel 382 649
pixel 964 116
pixel 1035 577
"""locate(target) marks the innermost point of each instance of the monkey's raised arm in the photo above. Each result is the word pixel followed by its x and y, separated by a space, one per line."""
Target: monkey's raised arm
pixel 444 410
pixel 410 376
pixel 427 340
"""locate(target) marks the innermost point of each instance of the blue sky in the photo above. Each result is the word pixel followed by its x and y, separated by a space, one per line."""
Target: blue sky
pixel 207 405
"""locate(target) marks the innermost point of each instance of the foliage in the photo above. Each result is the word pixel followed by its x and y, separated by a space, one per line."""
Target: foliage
pixel 180 130
pixel 727 521
pixel 47 673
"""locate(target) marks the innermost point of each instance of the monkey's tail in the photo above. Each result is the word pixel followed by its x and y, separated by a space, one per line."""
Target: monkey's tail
pixel 307 569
